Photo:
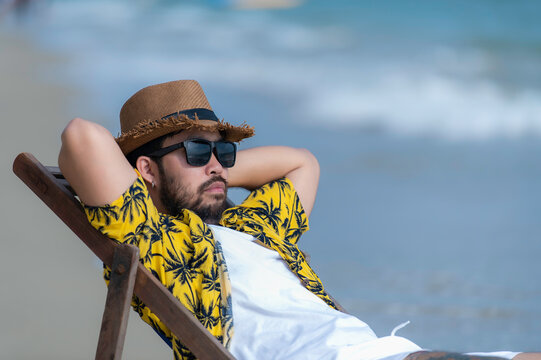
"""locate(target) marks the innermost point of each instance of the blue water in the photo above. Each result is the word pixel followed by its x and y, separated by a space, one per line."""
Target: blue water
pixel 451 69
pixel 425 116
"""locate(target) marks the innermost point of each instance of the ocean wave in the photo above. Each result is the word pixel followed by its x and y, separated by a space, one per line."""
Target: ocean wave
pixel 430 105
pixel 337 76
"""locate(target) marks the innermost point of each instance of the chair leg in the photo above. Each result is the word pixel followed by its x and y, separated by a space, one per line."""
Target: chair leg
pixel 117 305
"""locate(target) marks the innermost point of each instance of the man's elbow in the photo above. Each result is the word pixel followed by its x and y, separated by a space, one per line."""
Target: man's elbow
pixel 310 162
pixel 76 130
pixel 70 137
pixel 77 138
pixel 305 179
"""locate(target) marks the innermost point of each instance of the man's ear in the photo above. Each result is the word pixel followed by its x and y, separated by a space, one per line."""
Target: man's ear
pixel 147 168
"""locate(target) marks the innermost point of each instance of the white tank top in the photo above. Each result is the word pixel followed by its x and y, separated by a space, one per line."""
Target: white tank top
pixel 275 317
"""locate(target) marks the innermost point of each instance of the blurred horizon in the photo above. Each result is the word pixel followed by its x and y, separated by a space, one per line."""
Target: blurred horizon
pixel 453 70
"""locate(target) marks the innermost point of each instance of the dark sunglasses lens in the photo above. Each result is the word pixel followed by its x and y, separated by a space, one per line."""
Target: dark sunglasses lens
pixel 226 153
pixel 197 152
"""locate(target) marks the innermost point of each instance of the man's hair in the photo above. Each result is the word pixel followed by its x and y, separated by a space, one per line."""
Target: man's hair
pixel 148 148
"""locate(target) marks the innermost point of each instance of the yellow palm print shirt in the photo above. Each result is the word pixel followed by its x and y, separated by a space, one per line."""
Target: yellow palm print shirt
pixel 181 252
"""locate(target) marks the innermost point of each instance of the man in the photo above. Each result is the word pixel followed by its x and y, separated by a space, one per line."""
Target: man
pixel 238 269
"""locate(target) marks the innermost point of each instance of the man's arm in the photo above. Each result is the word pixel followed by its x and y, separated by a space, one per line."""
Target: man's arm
pixel 440 355
pixel 93 163
pixel 258 166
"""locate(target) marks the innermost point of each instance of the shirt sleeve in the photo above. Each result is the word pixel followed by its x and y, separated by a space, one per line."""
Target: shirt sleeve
pixel 124 215
pixel 278 206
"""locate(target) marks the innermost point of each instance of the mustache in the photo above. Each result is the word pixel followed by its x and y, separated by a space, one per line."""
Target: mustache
pixel 212 180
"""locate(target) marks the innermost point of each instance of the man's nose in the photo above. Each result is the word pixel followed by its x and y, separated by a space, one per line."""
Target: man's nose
pixel 214 166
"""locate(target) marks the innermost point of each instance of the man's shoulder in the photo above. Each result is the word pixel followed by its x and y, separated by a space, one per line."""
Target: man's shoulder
pixel 282 186
pixel 274 204
pixel 133 206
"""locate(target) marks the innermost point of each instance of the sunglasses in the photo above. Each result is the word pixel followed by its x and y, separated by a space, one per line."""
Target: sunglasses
pixel 199 151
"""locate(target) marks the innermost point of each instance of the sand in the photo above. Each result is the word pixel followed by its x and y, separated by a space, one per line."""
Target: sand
pixel 52 290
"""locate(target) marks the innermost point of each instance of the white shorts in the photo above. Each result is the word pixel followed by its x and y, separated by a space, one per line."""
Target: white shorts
pixel 502 354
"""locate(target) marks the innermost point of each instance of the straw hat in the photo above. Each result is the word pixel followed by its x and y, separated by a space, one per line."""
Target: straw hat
pixel 160 109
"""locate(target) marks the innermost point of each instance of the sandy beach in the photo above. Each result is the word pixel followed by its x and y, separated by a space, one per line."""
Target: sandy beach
pixel 53 293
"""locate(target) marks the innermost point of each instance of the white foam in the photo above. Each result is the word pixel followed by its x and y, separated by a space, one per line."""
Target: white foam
pixel 441 92
pixel 430 104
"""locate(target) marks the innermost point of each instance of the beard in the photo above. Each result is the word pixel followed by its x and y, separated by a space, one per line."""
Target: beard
pixel 175 197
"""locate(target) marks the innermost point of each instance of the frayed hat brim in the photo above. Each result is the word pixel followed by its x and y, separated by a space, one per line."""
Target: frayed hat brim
pixel 153 129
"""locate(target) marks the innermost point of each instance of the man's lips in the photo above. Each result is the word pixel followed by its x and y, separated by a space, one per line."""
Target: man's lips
pixel 216 187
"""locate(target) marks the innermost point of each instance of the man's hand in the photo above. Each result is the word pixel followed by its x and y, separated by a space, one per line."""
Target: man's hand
pixel 258 166
pixel 93 163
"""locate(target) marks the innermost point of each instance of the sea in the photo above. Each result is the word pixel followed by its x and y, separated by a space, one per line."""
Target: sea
pixel 425 116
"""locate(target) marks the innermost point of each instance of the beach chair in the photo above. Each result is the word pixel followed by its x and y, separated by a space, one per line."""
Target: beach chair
pixel 128 276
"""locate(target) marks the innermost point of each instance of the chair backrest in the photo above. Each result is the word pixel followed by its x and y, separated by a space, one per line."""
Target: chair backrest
pixel 51 187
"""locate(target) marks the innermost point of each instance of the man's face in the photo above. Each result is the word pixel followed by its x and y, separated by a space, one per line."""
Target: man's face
pixel 202 189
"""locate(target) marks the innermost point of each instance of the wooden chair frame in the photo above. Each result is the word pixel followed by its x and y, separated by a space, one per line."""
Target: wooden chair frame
pixel 128 275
